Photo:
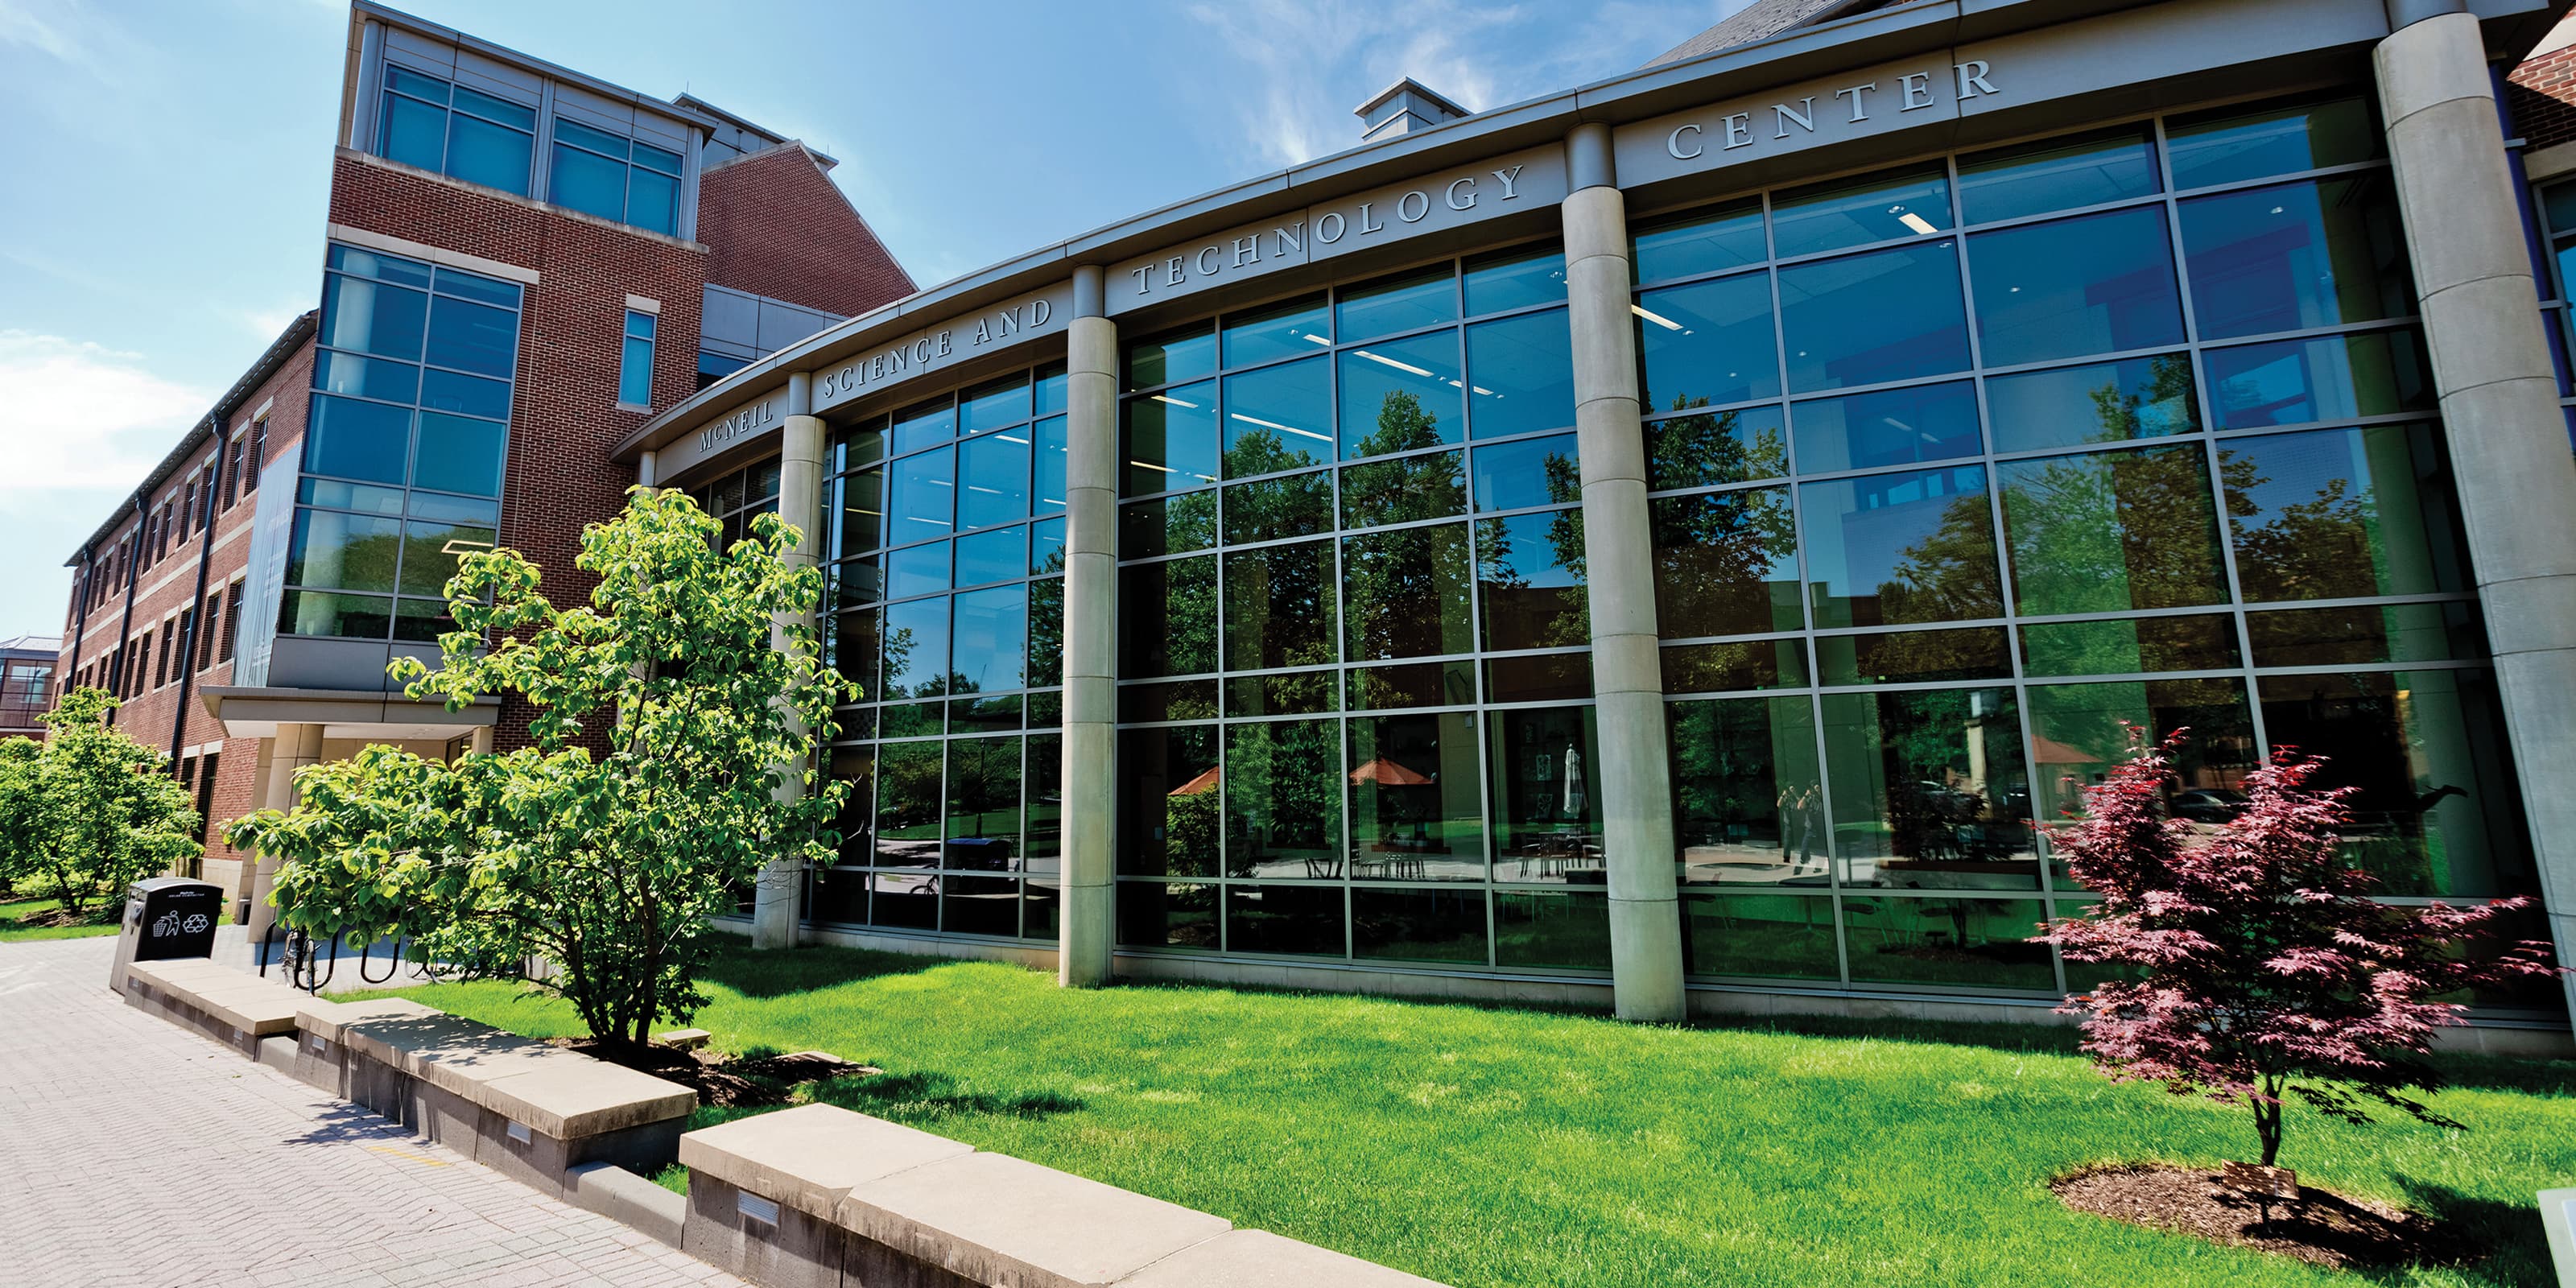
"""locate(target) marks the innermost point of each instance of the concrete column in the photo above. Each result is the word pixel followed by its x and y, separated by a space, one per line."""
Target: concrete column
pixel 800 502
pixel 1618 553
pixel 1086 953
pixel 2499 399
pixel 294 747
pixel 648 470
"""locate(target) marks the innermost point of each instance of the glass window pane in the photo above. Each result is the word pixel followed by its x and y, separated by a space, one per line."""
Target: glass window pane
pixel 2070 287
pixel 1929 790
pixel 2327 378
pixel 574 132
pixel 1551 930
pixel 589 183
pixel 916 649
pixel 476 396
pixel 2343 513
pixel 1169 826
pixel 357 440
pixel 915 428
pixel 2294 256
pixel 1295 693
pixel 1279 606
pixel 2366 633
pixel 1726 563
pixel 1539 677
pixel 2057 174
pixel 1514 279
pixel 1046 641
pixel 654 158
pixel 1154 915
pixel 653 201
pixel 1404 592
pixel 1914 657
pixel 1282 330
pixel 1181 700
pixel 431 552
pixel 1533 471
pixel 1417 684
pixel 371 317
pixel 2235 143
pixel 1304 920
pixel 1957 943
pixel 1759 935
pixel 1051 386
pixel 1529 579
pixel 350 496
pixel 909 806
pixel 323 612
pixel 859 445
pixel 1545 765
pixel 342 552
pixel 2105 402
pixel 1418 925
pixel 1163 360
pixel 1906 426
pixel 921 494
pixel 421 621
pixel 857 647
pixel 412 132
pixel 1404 302
pixel 473 337
pixel 1857 211
pixel 917 570
pixel 1890 315
pixel 367 263
pixel 1278 418
pixel 862 519
pixel 2111 531
pixel 2437 811
pixel 1172 525
pixel 635 372
pixel 984 814
pixel 1712 242
pixel 1167 618
pixel 1520 374
pixel 979 905
pixel 1046 546
pixel 1709 342
pixel 994 405
pixel 1416 809
pixel 1706 449
pixel 999 555
pixel 1283 810
pixel 2083 732
pixel 1748 805
pixel 2127 645
pixel 347 373
pixel 1045 778
pixel 488 154
pixel 990 640
pixel 1051 447
pixel 1278 508
pixel 1171 440
pixel 1892 548
pixel 1405 490
pixel 995 473
pixel 1720 668
pixel 494 109
pixel 1402 395
pixel 489 290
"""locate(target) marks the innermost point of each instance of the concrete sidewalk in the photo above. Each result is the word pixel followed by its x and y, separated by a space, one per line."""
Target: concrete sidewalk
pixel 136 1153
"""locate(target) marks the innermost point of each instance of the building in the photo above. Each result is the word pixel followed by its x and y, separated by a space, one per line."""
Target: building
pixel 1668 542
pixel 26 683
pixel 519 266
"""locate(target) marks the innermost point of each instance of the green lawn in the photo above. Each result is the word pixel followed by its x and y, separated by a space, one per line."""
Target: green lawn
pixel 11 914
pixel 1498 1147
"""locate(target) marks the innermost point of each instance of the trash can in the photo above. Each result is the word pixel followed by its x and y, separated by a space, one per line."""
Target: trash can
pixel 165 918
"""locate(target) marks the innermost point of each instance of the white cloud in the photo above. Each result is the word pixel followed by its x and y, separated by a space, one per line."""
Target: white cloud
pixel 80 415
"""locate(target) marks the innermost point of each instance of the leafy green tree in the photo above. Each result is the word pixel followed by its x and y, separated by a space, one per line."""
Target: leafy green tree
pixel 607 865
pixel 94 810
pixel 22 817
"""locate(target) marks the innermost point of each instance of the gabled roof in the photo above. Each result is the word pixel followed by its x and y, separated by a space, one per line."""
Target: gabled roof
pixel 1762 20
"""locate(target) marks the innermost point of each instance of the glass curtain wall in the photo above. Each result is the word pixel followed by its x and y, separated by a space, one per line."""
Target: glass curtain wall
pixel 403 452
pixel 945 543
pixel 1959 468
pixel 1355 683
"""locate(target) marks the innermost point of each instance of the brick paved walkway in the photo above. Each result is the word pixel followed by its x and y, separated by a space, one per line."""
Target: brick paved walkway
pixel 133 1152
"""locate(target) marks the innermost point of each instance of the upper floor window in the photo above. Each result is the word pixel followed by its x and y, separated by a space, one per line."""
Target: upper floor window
pixel 635 363
pixel 456 131
pixel 598 173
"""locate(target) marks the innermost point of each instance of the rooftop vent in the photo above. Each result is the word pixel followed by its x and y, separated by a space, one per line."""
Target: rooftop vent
pixel 1402 108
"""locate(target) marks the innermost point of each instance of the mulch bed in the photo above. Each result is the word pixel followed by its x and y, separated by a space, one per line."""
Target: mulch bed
pixel 51 918
pixel 730 1081
pixel 2322 1227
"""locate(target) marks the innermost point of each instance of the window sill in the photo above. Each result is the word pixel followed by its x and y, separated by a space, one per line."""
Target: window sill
pixel 639 407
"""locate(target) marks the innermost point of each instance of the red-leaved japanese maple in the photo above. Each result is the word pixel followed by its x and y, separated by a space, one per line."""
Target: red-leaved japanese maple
pixel 2264 970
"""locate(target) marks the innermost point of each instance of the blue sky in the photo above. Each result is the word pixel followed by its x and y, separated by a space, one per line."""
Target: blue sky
pixel 167 162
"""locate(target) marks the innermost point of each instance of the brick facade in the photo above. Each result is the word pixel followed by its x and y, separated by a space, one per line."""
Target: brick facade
pixel 2542 94
pixel 780 227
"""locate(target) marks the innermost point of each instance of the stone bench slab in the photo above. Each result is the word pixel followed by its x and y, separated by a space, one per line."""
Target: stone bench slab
pixel 1260 1259
pixel 994 1219
pixel 583 1097
pixel 241 1001
pixel 325 1019
pixel 809 1157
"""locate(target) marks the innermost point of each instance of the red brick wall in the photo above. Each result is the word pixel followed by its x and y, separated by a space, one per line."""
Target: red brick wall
pixel 2542 94
pixel 565 419
pixel 778 226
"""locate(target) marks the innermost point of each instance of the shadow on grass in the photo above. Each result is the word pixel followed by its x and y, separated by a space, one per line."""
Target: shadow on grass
pixel 930 1097
pixel 781 972
pixel 2517 1252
